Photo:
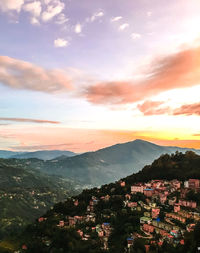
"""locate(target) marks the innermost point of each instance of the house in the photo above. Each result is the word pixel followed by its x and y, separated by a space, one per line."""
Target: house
pixel 148 228
pixel 106 225
pixel 186 203
pixel 137 188
pixel 176 184
pixel 132 204
pixel 145 220
pixel 193 183
pixel 155 212
pixel 123 183
pixel 163 198
pixel 61 223
pixel 148 192
pixel 129 242
pixel 80 232
pixel 41 219
pixel 101 233
pixel 147 247
pixel 175 233
pixel 177 208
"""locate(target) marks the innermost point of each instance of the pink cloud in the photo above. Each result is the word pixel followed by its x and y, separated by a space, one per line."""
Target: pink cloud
pixel 189 109
pixel 24 75
pixel 178 70
pixel 29 120
pixel 153 108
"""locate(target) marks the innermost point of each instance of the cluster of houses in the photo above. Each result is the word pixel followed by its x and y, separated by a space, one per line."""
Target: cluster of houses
pixel 166 214
pixel 178 212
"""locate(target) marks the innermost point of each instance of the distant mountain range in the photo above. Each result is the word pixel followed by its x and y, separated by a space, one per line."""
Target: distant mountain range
pixel 41 154
pixel 105 165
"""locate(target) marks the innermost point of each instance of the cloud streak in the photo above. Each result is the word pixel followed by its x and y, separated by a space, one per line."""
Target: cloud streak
pixel 189 109
pixel 178 70
pixel 24 75
pixel 39 121
pixel 149 108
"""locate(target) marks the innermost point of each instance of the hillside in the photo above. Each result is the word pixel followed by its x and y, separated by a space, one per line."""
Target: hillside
pixel 7 154
pixel 26 193
pixel 105 220
pixel 102 166
pixel 108 164
pixel 41 154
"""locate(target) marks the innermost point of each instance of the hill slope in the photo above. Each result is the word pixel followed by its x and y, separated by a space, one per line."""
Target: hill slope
pixel 7 154
pixel 25 194
pixel 43 154
pixel 108 212
pixel 108 164
pixel 103 166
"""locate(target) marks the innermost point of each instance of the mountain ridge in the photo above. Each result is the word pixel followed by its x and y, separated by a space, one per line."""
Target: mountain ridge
pixel 108 164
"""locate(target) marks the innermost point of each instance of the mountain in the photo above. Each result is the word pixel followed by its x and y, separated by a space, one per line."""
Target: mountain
pixel 108 164
pixel 27 193
pixel 7 154
pixel 102 166
pixel 100 220
pixel 41 154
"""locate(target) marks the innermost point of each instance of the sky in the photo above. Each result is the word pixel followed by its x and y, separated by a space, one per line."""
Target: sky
pixel 81 75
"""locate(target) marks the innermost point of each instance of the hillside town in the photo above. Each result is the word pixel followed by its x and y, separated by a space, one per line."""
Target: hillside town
pixel 162 208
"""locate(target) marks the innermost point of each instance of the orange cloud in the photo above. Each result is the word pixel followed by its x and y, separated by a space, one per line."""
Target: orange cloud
pixel 189 109
pixel 178 70
pixel 24 75
pixel 153 108
pixel 29 120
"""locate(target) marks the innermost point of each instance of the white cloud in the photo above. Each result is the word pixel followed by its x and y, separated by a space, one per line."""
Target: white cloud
pixel 78 28
pixel 115 19
pixel 123 26
pixel 96 15
pixel 34 21
pixel 34 8
pixel 61 19
pixel 39 10
pixel 11 5
pixel 61 43
pixel 55 8
pixel 135 36
pixel 47 1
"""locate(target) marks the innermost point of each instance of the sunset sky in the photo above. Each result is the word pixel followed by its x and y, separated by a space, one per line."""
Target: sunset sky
pixel 85 74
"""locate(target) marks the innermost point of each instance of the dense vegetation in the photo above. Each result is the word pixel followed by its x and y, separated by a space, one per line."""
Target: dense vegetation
pixel 25 194
pixel 46 236
pixel 178 165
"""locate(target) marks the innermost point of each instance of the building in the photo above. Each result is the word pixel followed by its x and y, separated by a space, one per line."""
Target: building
pixel 137 188
pixel 177 208
pixel 148 228
pixel 193 183
pixel 148 192
pixel 186 203
pixel 155 212
pixel 145 220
